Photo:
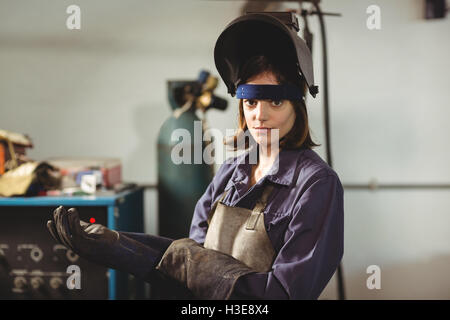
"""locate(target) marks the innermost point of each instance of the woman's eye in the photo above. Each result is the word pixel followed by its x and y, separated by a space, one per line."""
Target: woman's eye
pixel 277 103
pixel 250 102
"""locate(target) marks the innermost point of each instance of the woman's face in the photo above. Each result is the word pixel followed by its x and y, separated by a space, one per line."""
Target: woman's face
pixel 263 116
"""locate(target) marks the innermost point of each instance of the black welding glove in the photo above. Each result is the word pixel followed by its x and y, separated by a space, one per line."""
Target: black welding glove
pixel 207 273
pixel 98 244
pixel 158 243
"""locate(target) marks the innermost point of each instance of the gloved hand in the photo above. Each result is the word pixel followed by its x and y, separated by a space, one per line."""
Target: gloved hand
pixel 98 244
pixel 207 273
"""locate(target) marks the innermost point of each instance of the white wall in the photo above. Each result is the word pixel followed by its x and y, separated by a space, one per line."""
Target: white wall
pixel 101 91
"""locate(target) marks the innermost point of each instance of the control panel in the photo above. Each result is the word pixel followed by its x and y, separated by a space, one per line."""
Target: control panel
pixel 34 266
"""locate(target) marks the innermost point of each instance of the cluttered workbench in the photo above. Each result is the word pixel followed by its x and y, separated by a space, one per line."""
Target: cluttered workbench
pixel 32 265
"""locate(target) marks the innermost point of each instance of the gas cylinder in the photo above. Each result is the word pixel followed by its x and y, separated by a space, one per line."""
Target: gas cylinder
pixel 182 176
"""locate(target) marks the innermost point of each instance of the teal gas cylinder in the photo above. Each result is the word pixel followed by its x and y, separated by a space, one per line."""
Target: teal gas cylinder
pixel 183 176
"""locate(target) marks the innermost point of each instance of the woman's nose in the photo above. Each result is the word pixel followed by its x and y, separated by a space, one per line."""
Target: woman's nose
pixel 261 110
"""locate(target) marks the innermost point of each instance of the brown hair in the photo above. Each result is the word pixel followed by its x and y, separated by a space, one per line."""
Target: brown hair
pixel 299 136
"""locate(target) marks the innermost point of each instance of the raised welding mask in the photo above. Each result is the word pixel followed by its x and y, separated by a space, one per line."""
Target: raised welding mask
pixel 272 34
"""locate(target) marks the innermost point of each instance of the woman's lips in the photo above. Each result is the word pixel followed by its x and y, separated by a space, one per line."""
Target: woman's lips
pixel 262 129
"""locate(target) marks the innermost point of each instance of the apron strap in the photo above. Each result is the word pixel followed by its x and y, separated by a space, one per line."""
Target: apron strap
pixel 261 203
pixel 213 208
pixel 259 208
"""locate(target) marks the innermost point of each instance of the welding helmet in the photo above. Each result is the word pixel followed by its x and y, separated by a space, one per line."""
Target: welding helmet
pixel 272 34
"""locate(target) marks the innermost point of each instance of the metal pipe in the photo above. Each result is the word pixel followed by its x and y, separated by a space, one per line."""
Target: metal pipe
pixel 376 186
pixel 362 186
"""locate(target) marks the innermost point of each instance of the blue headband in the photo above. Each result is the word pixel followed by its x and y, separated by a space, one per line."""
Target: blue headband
pixel 269 91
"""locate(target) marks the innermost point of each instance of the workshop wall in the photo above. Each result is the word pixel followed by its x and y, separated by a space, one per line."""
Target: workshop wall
pixel 101 92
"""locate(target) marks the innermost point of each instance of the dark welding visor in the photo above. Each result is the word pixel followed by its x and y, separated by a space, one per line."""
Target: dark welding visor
pixel 262 34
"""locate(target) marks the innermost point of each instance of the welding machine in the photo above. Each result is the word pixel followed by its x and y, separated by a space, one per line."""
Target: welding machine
pixel 34 266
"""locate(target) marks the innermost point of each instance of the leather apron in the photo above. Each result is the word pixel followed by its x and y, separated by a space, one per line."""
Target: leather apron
pixel 241 233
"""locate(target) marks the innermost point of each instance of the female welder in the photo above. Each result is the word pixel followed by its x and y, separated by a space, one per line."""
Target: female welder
pixel 272 229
